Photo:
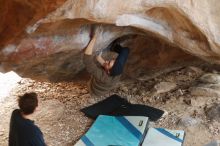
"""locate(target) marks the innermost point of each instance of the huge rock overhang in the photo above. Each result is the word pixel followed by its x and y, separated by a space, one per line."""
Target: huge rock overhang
pixel 161 34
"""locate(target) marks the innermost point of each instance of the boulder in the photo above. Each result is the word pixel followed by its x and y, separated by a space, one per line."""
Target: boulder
pixel 45 41
pixel 209 86
pixel 204 91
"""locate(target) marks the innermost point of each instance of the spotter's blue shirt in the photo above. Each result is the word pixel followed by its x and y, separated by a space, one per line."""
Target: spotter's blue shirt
pixel 23 132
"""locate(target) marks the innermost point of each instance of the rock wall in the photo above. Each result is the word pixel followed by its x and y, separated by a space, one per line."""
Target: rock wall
pixel 45 40
pixel 16 15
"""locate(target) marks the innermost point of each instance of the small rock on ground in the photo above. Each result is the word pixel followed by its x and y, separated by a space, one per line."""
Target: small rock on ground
pixel 213 112
pixel 163 87
pixel 210 78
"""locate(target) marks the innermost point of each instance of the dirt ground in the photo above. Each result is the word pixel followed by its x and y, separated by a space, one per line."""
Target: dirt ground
pixel 62 123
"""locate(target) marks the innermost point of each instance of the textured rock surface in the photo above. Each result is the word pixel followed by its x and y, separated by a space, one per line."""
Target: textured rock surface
pixel 41 44
pixel 16 15
pixel 210 78
pixel 209 86
pixel 189 121
pixel 213 112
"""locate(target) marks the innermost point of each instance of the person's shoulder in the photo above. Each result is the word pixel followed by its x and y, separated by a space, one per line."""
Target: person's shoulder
pixel 15 113
pixel 32 130
pixel 32 126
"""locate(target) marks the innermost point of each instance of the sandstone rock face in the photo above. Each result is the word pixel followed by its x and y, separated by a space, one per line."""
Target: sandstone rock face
pixel 16 15
pixel 45 40
pixel 209 86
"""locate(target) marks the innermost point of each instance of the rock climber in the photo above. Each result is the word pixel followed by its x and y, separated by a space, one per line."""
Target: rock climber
pixel 105 75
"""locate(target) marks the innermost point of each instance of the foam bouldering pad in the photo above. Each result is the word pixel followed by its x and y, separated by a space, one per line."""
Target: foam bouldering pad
pixel 164 137
pixel 115 131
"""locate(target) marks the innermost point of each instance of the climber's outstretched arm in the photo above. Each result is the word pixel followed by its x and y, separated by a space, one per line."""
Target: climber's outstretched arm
pixel 89 49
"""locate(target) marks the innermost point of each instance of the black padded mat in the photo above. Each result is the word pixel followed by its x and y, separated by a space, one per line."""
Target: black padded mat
pixel 117 106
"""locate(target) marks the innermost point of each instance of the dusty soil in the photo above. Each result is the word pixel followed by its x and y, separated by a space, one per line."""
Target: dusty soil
pixel 63 124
